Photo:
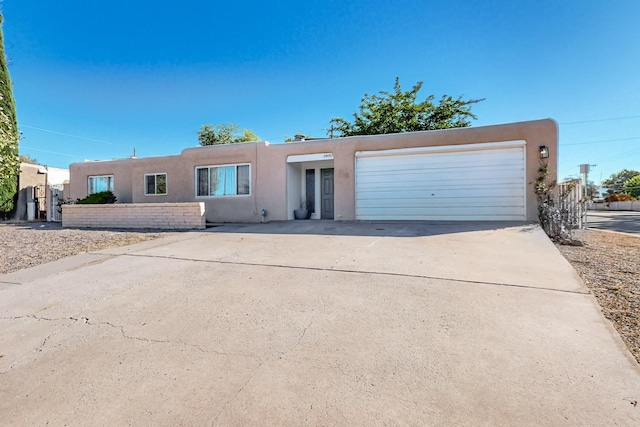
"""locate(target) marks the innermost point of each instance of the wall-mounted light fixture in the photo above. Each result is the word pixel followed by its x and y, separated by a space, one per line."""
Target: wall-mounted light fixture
pixel 544 151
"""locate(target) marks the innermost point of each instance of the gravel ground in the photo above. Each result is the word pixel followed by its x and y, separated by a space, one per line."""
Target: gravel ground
pixel 609 264
pixel 28 244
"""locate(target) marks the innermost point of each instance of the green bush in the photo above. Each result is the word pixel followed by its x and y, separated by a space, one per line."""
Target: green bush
pixel 632 187
pixel 100 198
pixel 619 198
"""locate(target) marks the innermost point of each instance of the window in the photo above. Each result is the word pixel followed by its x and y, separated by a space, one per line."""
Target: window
pixel 155 184
pixel 227 180
pixel 100 183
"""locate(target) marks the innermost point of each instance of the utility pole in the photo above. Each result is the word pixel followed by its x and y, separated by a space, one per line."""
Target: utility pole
pixel 584 170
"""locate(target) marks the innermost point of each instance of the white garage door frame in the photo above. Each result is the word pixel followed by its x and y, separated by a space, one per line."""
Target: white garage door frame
pixel 424 183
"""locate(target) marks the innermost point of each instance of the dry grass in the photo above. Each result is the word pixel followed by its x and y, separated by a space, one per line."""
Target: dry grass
pixel 26 245
pixel 609 265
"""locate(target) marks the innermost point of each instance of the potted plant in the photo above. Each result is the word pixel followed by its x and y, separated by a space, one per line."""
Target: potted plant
pixel 303 212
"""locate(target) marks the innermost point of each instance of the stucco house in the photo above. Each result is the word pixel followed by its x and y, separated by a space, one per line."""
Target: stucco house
pixel 40 186
pixel 477 173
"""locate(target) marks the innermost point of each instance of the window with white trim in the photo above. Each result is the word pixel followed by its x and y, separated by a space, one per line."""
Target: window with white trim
pixel 155 184
pixel 100 183
pixel 223 180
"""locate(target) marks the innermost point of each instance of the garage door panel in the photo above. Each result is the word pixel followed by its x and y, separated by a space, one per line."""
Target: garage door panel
pixel 513 202
pixel 445 214
pixel 461 184
pixel 479 173
pixel 448 209
pixel 446 161
pixel 426 182
pixel 442 168
pixel 431 217
pixel 401 170
pixel 462 154
pixel 441 190
pixel 410 202
pixel 476 184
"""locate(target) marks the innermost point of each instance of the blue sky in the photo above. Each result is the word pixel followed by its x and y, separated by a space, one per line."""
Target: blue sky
pixel 93 80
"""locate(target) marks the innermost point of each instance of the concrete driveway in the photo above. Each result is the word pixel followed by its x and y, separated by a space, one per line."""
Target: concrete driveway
pixel 621 221
pixel 314 323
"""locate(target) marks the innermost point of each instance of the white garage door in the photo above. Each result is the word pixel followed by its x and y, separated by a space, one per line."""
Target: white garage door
pixel 479 182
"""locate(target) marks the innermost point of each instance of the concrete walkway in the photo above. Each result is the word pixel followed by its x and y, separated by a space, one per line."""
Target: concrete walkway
pixel 314 323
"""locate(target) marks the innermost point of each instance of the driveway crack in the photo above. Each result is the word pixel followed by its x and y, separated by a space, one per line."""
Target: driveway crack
pixel 85 320
pixel 124 335
pixel 237 393
pixel 268 359
pixel 44 341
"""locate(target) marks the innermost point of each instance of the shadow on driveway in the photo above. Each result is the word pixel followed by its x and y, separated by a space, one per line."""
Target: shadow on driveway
pixel 367 228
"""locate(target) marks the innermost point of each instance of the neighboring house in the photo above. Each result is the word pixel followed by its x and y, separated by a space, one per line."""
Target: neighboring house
pixel 476 173
pixel 40 186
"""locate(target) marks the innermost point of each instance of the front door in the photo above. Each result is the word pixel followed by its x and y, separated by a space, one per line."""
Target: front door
pixel 326 189
pixel 311 190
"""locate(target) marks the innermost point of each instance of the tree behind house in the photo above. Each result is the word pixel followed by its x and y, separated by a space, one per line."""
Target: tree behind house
pixel 615 183
pixel 400 112
pixel 9 164
pixel 225 134
pixel 25 158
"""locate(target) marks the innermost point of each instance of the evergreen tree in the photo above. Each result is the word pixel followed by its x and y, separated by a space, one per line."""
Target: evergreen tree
pixel 9 163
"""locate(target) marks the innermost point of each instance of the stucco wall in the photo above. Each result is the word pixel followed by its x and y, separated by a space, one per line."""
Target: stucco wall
pixel 269 168
pixel 535 133
pixel 167 216
pixel 243 208
pixel 29 178
pixel 32 175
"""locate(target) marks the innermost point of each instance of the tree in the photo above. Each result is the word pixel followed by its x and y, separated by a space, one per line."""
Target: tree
pixel 225 134
pixel 25 158
pixel 632 186
pixel 400 112
pixel 9 164
pixel 593 190
pixel 615 183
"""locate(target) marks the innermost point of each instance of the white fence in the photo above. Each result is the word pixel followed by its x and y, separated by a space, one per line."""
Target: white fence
pixel 54 201
pixel 571 201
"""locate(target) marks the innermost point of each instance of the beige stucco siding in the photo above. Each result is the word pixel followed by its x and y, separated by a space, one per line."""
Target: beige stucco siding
pixel 121 170
pixel 268 165
pixel 178 180
pixel 535 133
pixel 240 208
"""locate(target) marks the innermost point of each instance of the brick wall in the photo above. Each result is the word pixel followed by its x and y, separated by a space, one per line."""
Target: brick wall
pixel 168 216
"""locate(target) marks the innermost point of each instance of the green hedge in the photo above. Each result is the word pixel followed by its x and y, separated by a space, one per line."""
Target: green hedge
pixel 100 198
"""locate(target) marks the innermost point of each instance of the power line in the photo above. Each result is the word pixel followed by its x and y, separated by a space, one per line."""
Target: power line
pixel 624 153
pixel 71 135
pixel 604 140
pixel 600 120
pixel 52 152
